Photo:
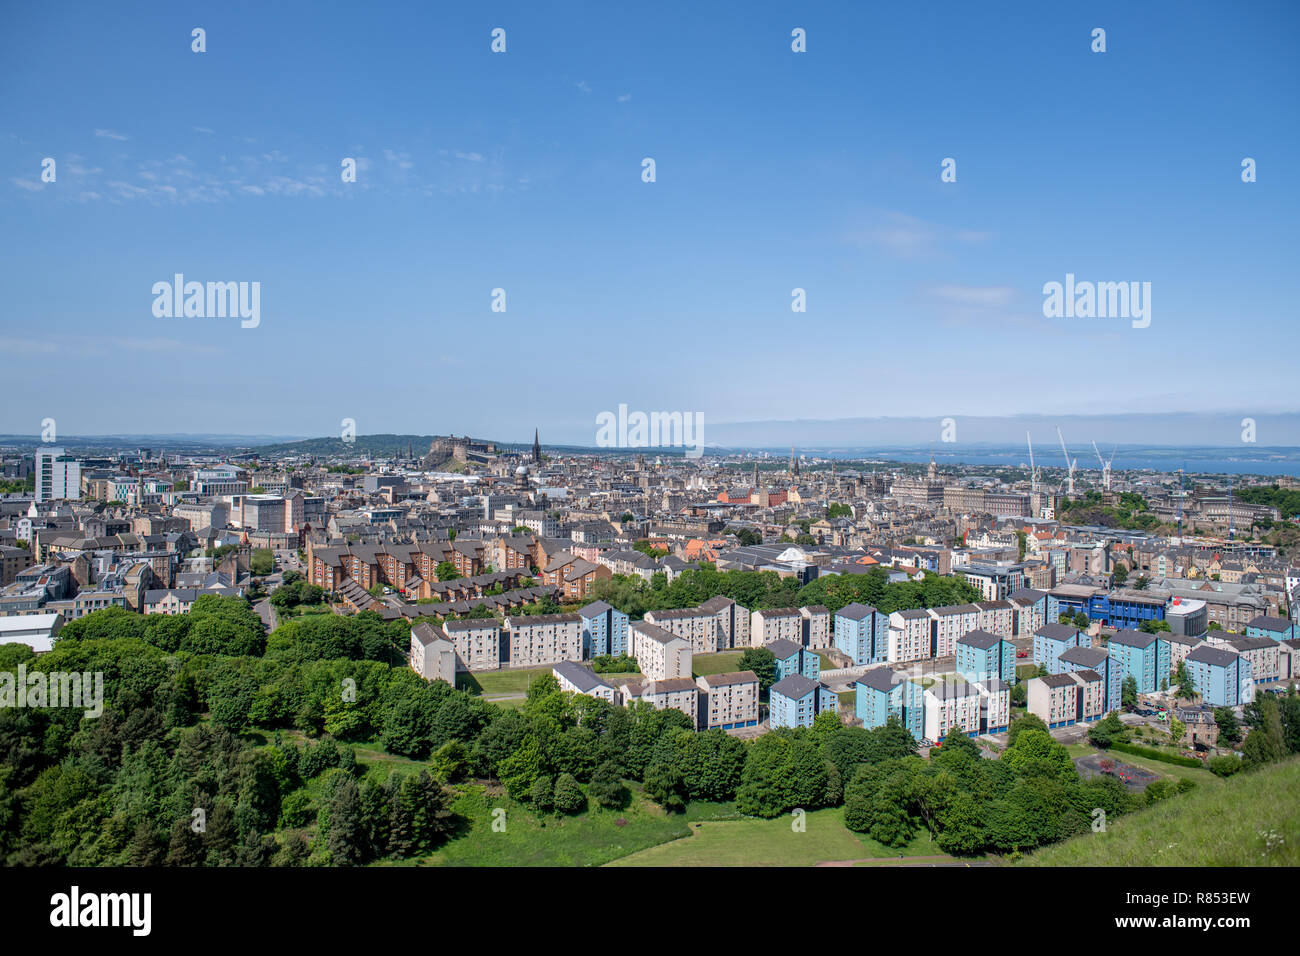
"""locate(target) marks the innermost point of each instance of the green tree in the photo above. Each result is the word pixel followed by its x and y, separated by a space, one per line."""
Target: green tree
pixel 1106 731
pixel 1266 743
pixel 1128 692
pixel 569 797
pixel 762 662
pixel 1229 726
pixel 664 785
pixel 346 834
pixel 607 788
pixel 542 794
pixel 1022 723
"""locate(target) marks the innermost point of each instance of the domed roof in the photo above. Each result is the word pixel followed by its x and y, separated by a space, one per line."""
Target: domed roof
pixel 521 470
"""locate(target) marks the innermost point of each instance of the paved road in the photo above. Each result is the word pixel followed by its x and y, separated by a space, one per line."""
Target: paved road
pixel 266 613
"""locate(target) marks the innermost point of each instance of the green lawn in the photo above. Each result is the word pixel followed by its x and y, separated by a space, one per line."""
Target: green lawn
pixel 379 763
pixel 588 839
pixel 751 842
pixel 499 682
pixel 849 700
pixel 724 663
pixel 1249 819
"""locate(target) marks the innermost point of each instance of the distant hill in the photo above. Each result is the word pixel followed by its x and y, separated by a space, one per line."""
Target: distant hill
pixel 374 446
pixel 1249 819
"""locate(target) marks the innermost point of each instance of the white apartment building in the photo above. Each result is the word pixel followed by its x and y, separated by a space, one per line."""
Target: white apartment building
pixel 542 639
pixel 817 626
pixel 222 480
pixel 732 621
pixel 694 625
pixel 577 678
pixel 58 475
pixel 1091 700
pixel 679 693
pixel 477 641
pixel 951 624
pixel 432 656
pixel 995 704
pixel 776 624
pixel 950 705
pixel 1054 698
pixel 909 636
pixel 661 654
pixel 1027 615
pixel 728 700
pixel 996 617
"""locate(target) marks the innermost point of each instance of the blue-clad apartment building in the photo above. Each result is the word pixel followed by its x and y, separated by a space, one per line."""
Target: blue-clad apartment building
pixel 797 700
pixel 981 655
pixel 862 633
pixel 1141 655
pixel 1222 677
pixel 604 630
pixel 792 658
pixel 881 694
pixel 1051 640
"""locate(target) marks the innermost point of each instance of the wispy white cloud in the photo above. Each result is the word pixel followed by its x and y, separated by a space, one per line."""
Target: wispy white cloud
pixel 110 134
pixel 625 97
pixel 975 295
pixel 179 179
pixel 400 160
pixel 21 346
pixel 582 85
pixel 907 236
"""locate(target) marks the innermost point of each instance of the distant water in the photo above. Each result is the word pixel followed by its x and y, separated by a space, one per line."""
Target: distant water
pixel 1280 461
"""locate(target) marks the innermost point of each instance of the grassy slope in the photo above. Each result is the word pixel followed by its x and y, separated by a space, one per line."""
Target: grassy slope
pixel 1251 819
pixel 589 839
pixel 751 842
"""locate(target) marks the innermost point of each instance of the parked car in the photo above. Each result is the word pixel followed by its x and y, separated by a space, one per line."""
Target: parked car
pixel 1022 654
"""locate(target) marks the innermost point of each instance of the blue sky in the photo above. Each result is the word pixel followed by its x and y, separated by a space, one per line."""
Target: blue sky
pixel 522 171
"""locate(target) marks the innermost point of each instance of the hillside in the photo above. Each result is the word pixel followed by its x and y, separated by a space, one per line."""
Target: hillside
pixel 1253 819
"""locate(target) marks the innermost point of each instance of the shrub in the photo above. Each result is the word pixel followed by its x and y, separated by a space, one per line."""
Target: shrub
pixel 568 797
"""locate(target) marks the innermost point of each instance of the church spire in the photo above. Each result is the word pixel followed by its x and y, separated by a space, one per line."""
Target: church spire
pixel 537 448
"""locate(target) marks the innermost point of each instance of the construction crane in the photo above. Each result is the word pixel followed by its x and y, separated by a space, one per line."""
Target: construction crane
pixel 1105 465
pixel 1033 469
pixel 1070 464
pixel 1180 503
